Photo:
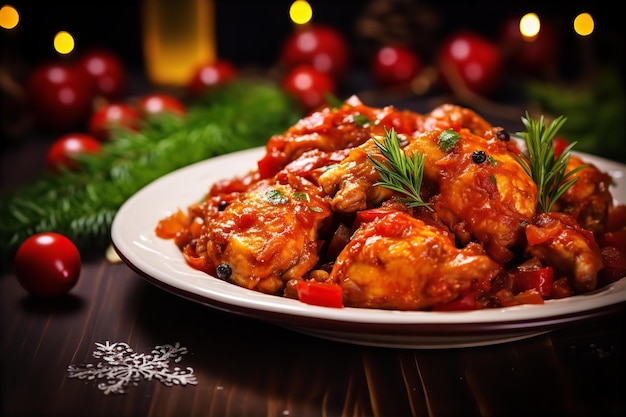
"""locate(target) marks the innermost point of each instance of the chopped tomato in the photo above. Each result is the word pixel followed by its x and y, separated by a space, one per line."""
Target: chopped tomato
pixel 614 265
pixel 507 299
pixel 537 235
pixel 466 302
pixel 320 294
pixel 168 227
pixel 197 262
pixel 195 228
pixel 616 238
pixel 561 288
pixel 531 296
pixel 617 218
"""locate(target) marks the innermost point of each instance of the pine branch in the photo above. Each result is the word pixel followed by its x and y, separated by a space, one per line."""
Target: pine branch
pixel 82 204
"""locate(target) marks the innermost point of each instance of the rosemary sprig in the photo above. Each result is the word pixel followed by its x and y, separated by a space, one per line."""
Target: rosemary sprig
pixel 400 172
pixel 82 204
pixel 546 170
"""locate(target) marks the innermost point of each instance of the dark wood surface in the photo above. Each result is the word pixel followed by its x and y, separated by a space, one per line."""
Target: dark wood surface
pixel 245 367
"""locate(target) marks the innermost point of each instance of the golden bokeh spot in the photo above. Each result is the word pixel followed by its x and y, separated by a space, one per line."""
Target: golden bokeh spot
pixel 300 12
pixel 584 24
pixel 9 17
pixel 529 26
pixel 63 42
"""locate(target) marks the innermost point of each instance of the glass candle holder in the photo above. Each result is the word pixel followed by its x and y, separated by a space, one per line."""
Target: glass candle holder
pixel 178 36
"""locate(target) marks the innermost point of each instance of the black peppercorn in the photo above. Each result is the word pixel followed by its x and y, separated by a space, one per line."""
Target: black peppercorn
pixel 503 135
pixel 222 205
pixel 479 157
pixel 224 271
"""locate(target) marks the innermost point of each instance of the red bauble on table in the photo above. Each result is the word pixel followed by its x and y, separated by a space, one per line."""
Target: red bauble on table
pixel 47 264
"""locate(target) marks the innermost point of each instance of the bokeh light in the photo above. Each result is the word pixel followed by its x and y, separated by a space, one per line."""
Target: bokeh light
pixel 584 24
pixel 300 12
pixel 63 42
pixel 9 17
pixel 529 26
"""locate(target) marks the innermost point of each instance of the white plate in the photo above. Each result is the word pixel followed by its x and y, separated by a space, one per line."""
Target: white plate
pixel 160 262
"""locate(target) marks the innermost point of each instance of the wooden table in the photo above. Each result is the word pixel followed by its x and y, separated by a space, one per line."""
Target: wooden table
pixel 245 367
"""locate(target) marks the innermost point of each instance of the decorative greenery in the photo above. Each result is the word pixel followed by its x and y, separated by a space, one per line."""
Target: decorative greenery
pixel 594 108
pixel 82 204
pixel 400 172
pixel 547 170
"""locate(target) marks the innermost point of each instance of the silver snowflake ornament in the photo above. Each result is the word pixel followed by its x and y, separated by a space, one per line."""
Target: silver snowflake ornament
pixel 120 367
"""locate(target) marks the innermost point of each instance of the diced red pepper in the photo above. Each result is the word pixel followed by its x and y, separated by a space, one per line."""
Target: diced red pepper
pixel 269 165
pixel 538 279
pixel 320 294
pixel 559 146
pixel 366 216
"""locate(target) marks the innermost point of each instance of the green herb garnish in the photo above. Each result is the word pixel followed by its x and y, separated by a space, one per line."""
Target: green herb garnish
pixel 276 197
pixel 361 120
pixel 546 170
pixel 448 139
pixel 301 195
pixel 399 172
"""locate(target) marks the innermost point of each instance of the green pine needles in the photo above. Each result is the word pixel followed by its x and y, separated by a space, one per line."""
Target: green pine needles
pixel 546 169
pixel 399 172
pixel 82 205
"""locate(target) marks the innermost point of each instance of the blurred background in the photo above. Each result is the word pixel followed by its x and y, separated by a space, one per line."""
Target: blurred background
pixel 557 71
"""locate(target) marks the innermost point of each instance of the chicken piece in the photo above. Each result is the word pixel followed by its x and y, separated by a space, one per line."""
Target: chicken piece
pixel 331 130
pixel 487 197
pixel 556 239
pixel 450 116
pixel 350 183
pixel 589 199
pixel 400 262
pixel 311 164
pixel 485 194
pixel 267 234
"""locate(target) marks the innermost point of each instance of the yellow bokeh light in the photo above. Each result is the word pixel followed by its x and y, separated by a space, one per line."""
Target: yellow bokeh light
pixel 583 24
pixel 63 42
pixel 9 17
pixel 300 12
pixel 529 26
